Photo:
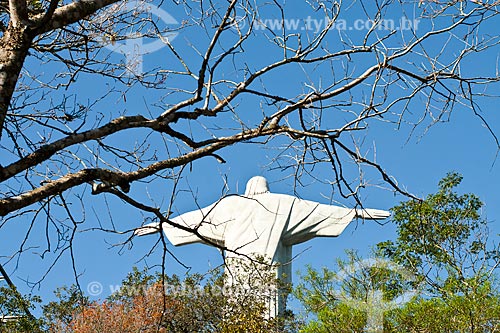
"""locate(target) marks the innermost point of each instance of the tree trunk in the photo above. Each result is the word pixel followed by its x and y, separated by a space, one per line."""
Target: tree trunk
pixel 14 46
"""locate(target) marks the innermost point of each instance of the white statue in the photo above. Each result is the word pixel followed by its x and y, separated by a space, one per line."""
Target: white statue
pixel 264 224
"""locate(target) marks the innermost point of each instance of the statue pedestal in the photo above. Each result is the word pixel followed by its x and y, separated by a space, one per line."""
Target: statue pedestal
pixel 259 281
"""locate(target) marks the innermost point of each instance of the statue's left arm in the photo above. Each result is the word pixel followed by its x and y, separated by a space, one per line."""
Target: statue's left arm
pixel 310 219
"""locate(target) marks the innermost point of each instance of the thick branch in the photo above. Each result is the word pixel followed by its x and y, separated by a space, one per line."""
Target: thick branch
pixel 123 179
pixel 48 14
pixel 58 186
pixel 16 41
pixel 18 13
pixel 48 150
pixel 14 46
pixel 72 13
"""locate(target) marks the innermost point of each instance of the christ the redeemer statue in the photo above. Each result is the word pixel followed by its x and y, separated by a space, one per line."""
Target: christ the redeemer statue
pixel 264 224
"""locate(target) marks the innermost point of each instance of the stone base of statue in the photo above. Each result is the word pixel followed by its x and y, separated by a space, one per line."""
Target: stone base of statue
pixel 258 281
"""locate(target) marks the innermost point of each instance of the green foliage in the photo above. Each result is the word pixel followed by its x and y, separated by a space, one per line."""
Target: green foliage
pixel 196 303
pixel 35 6
pixel 340 318
pixel 13 304
pixel 342 300
pixel 136 282
pixel 60 313
pixel 447 315
pixel 443 242
pixel 154 303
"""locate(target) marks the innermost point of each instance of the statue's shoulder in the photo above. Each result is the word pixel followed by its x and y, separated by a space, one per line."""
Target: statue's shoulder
pixel 271 198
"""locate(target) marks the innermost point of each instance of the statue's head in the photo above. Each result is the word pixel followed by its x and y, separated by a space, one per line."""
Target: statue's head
pixel 256 185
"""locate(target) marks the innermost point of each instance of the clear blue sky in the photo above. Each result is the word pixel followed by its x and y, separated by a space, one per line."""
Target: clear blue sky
pixel 418 162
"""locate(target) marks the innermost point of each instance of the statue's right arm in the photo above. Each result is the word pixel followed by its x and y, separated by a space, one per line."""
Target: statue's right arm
pixel 175 235
pixel 209 223
pixel 147 229
pixel 205 221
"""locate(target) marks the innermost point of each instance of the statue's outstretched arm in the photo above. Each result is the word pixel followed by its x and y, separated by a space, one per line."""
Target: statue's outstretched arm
pixel 175 235
pixel 372 214
pixel 147 229
pixel 205 222
pixel 310 219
